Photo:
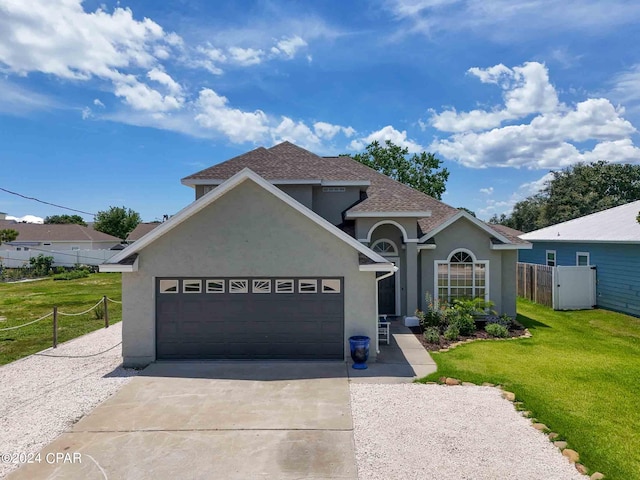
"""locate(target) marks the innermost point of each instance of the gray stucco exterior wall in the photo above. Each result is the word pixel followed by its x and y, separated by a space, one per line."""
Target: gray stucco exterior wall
pixel 466 235
pixel 331 204
pixel 246 232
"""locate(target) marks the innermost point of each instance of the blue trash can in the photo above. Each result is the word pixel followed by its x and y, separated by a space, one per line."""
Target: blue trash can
pixel 359 346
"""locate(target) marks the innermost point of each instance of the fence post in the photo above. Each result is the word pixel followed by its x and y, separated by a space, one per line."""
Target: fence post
pixel 106 312
pixel 55 327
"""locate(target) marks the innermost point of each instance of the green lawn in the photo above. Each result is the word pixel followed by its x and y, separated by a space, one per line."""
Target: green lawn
pixel 579 374
pixel 23 302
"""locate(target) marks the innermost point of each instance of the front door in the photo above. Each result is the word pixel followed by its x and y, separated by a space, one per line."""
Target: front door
pixel 387 296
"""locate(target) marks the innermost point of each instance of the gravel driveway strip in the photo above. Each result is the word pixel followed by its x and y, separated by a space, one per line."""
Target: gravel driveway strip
pixel 42 396
pixel 414 431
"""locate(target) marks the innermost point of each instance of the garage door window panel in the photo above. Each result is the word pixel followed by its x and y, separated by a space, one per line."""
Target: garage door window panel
pixel 169 286
pixel 331 285
pixel 262 286
pixel 215 286
pixel 238 286
pixel 284 286
pixel 192 286
pixel 307 286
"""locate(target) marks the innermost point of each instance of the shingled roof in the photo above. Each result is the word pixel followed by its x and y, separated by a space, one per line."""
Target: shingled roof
pixel 68 232
pixel 287 161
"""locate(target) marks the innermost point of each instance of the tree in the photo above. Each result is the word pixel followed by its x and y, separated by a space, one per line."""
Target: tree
pixel 117 221
pixel 573 192
pixel 8 235
pixel 77 219
pixel 420 171
pixel 469 211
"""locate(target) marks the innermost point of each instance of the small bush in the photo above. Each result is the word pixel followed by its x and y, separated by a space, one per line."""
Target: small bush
pixel 452 333
pixel 463 322
pixel 99 312
pixel 503 320
pixel 432 335
pixel 497 330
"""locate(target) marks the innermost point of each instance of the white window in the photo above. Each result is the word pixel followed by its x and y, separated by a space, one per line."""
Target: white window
pixel 238 286
pixel 192 286
pixel 307 286
pixel 551 258
pixel 582 259
pixel 385 247
pixel 262 286
pixel 330 285
pixel 284 286
pixel 462 276
pixel 215 286
pixel 168 286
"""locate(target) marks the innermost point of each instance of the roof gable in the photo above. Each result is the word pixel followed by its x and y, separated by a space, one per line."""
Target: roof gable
pixel 240 177
pixel 462 214
pixel 617 224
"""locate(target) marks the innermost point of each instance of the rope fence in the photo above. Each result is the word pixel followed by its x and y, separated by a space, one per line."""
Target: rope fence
pixel 104 302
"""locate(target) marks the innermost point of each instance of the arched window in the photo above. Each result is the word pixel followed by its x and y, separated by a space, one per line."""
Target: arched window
pixel 385 247
pixel 462 276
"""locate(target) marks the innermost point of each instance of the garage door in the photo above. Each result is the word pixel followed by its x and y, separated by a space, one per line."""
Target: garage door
pixel 245 318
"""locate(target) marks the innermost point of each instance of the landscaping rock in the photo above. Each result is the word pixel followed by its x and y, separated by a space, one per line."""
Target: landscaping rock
pixel 572 455
pixel 468 384
pixel 452 381
pixel 442 350
pixel 526 413
pixel 552 436
pixel 560 444
pixel 442 379
pixel 540 426
pixel 509 396
pixel 581 468
pixel 597 476
pixel 487 384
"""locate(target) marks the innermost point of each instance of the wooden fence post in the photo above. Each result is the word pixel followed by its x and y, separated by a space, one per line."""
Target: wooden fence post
pixel 106 312
pixel 55 327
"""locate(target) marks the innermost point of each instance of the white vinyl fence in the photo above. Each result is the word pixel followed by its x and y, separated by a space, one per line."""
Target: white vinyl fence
pixel 61 258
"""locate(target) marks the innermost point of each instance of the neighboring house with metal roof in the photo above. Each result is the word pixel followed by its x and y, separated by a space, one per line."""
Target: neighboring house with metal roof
pixel 608 240
pixel 43 237
pixel 285 254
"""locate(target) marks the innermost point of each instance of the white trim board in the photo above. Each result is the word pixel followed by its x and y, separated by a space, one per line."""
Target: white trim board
pixel 230 184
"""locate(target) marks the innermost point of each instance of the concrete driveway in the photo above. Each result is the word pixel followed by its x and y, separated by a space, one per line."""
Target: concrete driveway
pixel 231 420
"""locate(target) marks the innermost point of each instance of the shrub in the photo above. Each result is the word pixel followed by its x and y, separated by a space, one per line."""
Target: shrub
pixel 497 330
pixel 462 321
pixel 503 320
pixel 99 312
pixel 432 335
pixel 40 265
pixel 474 307
pixel 71 275
pixel 452 333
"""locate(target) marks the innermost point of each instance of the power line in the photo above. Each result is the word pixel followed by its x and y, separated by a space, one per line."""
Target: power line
pixel 46 203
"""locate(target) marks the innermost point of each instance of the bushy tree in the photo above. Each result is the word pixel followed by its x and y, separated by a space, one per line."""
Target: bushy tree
pixel 117 221
pixel 58 219
pixel 8 235
pixel 420 171
pixel 573 192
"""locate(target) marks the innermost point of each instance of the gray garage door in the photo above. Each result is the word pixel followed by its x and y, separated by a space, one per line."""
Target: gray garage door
pixel 242 318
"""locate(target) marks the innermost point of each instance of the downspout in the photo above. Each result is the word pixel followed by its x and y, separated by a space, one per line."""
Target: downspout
pixel 381 277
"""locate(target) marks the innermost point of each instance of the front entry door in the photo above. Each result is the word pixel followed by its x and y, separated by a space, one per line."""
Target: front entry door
pixel 387 296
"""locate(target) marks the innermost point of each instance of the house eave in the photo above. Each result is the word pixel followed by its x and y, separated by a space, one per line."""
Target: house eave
pixel 378 267
pixel 284 181
pixel 555 240
pixel 118 267
pixel 511 246
pixel 472 219
pixel 387 214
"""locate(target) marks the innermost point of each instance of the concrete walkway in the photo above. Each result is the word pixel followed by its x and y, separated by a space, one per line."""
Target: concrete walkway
pixel 231 420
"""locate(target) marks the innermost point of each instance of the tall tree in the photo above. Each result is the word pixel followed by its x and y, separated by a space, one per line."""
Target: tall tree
pixel 117 221
pixel 421 171
pixel 8 235
pixel 573 192
pixel 77 219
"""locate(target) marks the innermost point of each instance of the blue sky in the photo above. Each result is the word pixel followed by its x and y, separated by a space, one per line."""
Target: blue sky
pixel 111 103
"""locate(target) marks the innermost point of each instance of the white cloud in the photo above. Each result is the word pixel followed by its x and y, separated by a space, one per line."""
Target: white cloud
pixel 98 103
pixel 238 126
pixel 86 113
pixel 551 139
pixel 387 133
pixel 26 219
pixel 141 96
pixel 626 85
pixel 289 46
pixel 493 206
pixel 164 79
pixel 328 131
pixel 487 191
pixel 246 56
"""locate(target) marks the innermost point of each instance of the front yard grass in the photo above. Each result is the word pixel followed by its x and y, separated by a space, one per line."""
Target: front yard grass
pixel 579 374
pixel 23 302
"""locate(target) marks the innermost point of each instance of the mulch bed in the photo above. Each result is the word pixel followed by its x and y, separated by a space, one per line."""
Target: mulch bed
pixel 516 331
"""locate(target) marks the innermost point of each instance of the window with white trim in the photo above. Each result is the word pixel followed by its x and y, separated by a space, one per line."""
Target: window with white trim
pixel 192 286
pixel 551 258
pixel 284 286
pixel 384 247
pixel 462 276
pixel 238 286
pixel 307 286
pixel 582 259
pixel 330 285
pixel 215 286
pixel 168 286
pixel 261 286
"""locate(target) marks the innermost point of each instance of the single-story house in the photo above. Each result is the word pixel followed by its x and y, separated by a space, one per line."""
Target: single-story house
pixel 44 237
pixel 608 240
pixel 141 230
pixel 286 254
